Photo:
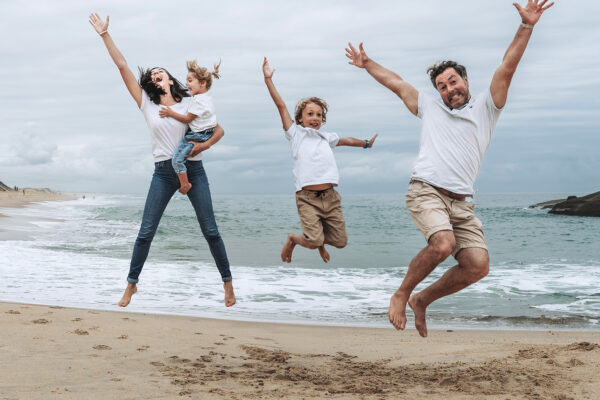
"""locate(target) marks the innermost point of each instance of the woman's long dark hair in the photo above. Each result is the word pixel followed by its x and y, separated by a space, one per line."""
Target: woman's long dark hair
pixel 178 91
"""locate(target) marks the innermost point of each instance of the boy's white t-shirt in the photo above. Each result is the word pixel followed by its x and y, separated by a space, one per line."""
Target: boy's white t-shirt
pixel 312 157
pixel 202 106
pixel 453 142
pixel 165 133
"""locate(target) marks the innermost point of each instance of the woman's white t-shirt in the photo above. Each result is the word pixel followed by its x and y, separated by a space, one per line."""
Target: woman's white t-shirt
pixel 165 133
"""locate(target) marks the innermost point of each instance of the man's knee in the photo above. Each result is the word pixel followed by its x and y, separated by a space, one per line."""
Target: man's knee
pixel 476 262
pixel 442 244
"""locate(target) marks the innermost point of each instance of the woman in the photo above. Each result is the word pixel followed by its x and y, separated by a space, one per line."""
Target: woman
pixel 158 88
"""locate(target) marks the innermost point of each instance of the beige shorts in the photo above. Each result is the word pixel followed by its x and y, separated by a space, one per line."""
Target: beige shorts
pixel 321 217
pixel 433 211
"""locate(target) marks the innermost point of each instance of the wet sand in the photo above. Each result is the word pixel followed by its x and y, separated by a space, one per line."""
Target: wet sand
pixel 65 353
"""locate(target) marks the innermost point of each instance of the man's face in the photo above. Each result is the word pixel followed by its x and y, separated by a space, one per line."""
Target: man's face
pixel 453 88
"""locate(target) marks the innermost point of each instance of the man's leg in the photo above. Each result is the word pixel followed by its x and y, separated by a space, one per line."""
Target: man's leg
pixel 439 248
pixel 473 264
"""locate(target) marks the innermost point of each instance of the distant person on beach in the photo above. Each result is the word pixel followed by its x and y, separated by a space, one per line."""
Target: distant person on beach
pixel 315 173
pixel 456 130
pixel 200 117
pixel 156 89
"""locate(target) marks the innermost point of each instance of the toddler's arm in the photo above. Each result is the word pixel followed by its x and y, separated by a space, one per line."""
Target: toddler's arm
pixel 283 112
pixel 350 141
pixel 165 111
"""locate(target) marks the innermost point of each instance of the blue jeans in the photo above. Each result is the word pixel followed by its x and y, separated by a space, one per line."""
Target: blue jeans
pixel 163 186
pixel 184 148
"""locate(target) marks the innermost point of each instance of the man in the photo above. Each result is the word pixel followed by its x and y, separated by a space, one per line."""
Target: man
pixel 455 133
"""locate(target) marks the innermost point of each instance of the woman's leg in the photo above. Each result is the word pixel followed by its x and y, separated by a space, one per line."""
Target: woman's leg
pixel 199 195
pixel 163 186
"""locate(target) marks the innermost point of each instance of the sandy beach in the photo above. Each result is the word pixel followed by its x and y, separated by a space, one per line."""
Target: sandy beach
pixel 63 353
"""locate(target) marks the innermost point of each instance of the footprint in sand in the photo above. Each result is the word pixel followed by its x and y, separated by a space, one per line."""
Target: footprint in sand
pixel 13 312
pixel 81 332
pixel 41 321
pixel 77 319
pixel 102 347
pixel 143 348
pixel 123 337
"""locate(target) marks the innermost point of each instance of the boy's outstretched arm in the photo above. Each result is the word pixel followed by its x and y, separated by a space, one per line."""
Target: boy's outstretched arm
pixel 354 142
pixel 530 15
pixel 283 112
pixel 389 79
pixel 165 111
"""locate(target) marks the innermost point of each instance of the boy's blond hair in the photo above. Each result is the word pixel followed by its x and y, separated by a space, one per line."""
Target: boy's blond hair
pixel 304 102
pixel 202 73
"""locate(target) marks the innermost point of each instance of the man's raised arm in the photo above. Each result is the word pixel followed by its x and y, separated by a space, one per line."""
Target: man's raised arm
pixel 389 79
pixel 530 15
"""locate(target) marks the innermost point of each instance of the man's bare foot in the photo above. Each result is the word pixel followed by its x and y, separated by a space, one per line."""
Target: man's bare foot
pixel 419 309
pixel 397 311
pixel 229 295
pixel 288 248
pixel 130 290
pixel 183 189
pixel 324 254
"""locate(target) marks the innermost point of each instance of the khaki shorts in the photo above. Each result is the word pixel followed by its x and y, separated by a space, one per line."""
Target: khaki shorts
pixel 321 217
pixel 433 211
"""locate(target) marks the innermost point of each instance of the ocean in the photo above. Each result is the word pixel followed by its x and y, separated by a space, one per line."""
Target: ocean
pixel 544 270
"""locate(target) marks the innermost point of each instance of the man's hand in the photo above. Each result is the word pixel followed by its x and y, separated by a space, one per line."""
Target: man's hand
pixel 531 13
pixel 372 140
pixel 99 26
pixel 198 148
pixel 165 111
pixel 267 70
pixel 357 57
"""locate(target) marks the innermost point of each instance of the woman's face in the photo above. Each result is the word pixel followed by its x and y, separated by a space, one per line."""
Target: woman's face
pixel 161 79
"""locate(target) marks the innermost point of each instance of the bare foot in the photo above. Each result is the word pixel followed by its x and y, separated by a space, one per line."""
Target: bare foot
pixel 183 189
pixel 288 248
pixel 397 311
pixel 419 309
pixel 324 254
pixel 229 295
pixel 130 290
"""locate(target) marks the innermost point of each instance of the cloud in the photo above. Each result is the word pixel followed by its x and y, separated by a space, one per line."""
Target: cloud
pixel 32 147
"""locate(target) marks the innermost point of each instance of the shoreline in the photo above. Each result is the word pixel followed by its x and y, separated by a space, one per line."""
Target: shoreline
pixel 49 351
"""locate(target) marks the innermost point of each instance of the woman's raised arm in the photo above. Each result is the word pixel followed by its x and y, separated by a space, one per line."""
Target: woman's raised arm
pixel 132 84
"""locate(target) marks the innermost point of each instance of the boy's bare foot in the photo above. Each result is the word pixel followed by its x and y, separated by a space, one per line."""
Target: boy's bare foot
pixel 229 295
pixel 288 248
pixel 397 311
pixel 324 254
pixel 183 189
pixel 419 309
pixel 130 290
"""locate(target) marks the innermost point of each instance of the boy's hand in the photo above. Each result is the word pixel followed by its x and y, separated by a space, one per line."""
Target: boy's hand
pixel 165 111
pixel 267 70
pixel 372 140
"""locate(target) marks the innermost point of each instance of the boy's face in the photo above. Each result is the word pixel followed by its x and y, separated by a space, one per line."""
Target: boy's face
pixel 194 84
pixel 312 116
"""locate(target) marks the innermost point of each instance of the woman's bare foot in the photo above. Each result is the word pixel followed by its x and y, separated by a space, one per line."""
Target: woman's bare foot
pixel 130 290
pixel 288 248
pixel 419 309
pixel 183 189
pixel 324 254
pixel 229 295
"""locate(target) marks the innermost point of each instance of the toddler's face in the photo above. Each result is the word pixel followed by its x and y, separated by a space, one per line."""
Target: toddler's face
pixel 312 116
pixel 195 86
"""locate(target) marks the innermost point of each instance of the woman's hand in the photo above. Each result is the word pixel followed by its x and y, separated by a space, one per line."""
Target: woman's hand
pixel 198 148
pixel 100 27
pixel 165 111
pixel 372 141
pixel 267 70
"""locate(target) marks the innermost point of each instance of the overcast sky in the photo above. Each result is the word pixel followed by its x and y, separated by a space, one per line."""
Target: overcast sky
pixel 68 122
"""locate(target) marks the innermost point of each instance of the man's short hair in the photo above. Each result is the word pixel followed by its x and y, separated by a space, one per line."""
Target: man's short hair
pixel 441 66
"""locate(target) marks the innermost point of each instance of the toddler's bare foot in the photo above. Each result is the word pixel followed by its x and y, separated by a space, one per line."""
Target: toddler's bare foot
pixel 229 295
pixel 288 248
pixel 130 290
pixel 324 254
pixel 183 189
